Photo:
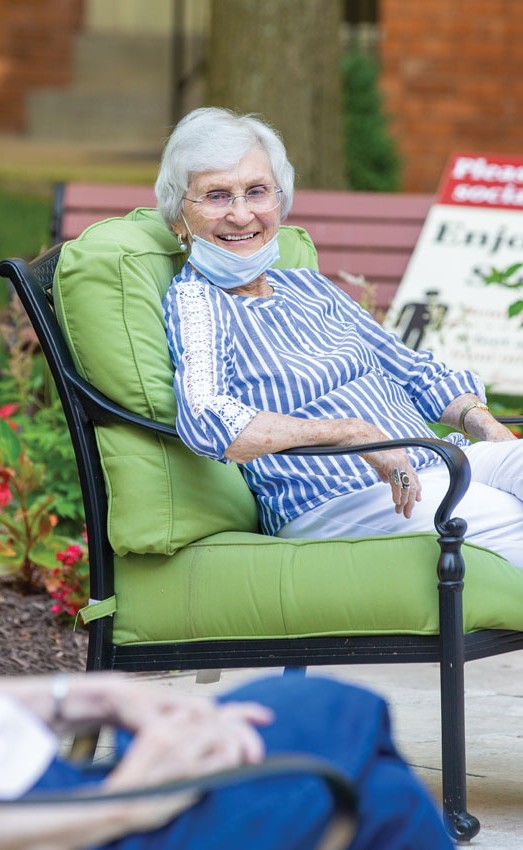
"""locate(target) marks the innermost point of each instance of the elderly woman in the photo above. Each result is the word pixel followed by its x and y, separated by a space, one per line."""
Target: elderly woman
pixel 268 360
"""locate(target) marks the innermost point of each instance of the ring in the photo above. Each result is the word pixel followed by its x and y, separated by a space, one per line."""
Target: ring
pixel 405 480
pixel 395 476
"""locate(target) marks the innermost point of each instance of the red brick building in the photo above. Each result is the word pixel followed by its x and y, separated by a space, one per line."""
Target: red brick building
pixel 36 42
pixel 451 72
pixel 452 76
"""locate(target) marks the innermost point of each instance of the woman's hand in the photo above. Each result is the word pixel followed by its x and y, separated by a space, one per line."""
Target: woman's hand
pixel 193 741
pixel 393 467
pixel 174 738
pixel 274 432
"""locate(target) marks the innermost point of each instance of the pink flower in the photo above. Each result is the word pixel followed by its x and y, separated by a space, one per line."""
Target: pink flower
pixel 7 410
pixel 72 555
pixel 5 492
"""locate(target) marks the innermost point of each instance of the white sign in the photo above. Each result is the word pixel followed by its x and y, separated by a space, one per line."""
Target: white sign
pixel 443 302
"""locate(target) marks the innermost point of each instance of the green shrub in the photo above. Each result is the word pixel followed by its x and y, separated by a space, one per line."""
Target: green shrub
pixel 28 398
pixel 26 222
pixel 373 163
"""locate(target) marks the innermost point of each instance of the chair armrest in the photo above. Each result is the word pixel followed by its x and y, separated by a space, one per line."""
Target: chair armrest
pixel 286 764
pixel 339 831
pixel 103 411
pixel 454 458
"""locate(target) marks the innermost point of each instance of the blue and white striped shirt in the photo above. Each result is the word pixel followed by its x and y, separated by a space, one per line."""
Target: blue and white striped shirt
pixel 309 351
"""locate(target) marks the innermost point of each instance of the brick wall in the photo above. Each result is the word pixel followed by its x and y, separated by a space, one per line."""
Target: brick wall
pixel 452 77
pixel 35 50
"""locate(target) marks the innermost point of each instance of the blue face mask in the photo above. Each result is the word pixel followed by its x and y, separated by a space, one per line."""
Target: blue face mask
pixel 228 270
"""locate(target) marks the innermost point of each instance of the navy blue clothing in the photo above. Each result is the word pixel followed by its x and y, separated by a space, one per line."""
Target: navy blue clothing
pixel 348 726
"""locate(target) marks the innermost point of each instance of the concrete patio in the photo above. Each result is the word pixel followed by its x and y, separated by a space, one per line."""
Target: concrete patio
pixel 494 694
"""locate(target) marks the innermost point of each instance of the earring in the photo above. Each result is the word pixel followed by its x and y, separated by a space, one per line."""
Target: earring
pixel 182 243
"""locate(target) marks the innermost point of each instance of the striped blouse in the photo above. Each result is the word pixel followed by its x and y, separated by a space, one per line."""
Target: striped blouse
pixel 309 351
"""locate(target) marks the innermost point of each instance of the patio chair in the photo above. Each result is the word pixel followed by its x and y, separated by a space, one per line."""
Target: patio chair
pixel 181 578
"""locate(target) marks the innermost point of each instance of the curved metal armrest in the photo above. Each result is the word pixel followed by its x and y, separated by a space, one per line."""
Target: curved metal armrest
pixel 340 829
pixel 103 411
pixel 454 458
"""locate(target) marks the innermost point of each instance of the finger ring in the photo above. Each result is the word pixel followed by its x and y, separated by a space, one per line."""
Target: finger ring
pixel 395 476
pixel 405 480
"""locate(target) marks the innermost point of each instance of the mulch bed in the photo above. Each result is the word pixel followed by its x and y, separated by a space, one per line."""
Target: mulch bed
pixel 32 639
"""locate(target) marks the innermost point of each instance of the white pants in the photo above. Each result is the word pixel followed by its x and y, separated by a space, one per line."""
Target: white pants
pixel 492 506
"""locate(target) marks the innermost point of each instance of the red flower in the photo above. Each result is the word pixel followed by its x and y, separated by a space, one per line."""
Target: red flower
pixel 5 492
pixel 7 410
pixel 72 555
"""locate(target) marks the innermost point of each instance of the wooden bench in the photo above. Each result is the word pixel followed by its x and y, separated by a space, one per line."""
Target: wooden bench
pixel 367 234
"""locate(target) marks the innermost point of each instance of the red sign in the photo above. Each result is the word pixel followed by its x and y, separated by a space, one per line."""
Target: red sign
pixel 483 180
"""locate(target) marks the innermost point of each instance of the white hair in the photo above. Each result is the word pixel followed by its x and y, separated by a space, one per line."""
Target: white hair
pixel 216 139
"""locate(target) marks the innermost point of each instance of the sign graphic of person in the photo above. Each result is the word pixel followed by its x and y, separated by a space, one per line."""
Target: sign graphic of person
pixel 415 318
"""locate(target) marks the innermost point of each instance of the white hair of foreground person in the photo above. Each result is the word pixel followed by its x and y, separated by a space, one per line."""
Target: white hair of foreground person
pixel 216 139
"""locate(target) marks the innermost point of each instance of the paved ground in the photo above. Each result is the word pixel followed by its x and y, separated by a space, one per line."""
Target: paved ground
pixel 494 731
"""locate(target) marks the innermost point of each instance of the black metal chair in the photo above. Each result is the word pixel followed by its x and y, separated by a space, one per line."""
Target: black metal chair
pixel 85 408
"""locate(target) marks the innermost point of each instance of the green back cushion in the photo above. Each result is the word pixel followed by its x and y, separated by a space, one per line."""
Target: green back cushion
pixel 108 291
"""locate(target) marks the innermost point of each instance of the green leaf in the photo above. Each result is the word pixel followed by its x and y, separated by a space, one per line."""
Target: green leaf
pixel 6 549
pixel 512 269
pixel 15 559
pixel 515 308
pixel 10 445
pixel 501 276
pixel 39 506
pixel 495 276
pixel 16 528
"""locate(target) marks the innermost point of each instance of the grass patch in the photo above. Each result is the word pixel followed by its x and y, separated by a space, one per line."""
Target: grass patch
pixel 25 222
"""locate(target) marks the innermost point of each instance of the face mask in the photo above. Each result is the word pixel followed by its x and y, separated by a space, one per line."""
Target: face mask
pixel 228 270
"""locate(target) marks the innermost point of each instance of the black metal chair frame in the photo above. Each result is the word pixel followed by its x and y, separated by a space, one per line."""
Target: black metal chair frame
pixel 85 407
pixel 337 834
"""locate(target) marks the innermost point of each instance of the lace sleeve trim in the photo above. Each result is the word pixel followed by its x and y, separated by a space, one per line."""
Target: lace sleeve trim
pixel 200 374
pixel 195 318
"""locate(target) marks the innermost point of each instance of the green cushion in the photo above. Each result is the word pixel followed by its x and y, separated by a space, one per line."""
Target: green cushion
pixel 108 291
pixel 247 586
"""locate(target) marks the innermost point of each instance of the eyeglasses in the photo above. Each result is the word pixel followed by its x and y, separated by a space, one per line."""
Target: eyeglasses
pixel 258 198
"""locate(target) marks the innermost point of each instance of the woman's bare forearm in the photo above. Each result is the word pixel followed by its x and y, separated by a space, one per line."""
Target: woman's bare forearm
pixel 477 423
pixel 268 433
pixel 71 826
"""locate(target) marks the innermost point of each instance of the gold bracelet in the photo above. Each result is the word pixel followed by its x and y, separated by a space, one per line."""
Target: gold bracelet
pixel 470 406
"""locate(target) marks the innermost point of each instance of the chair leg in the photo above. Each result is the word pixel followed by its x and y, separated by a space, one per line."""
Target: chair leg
pixel 460 825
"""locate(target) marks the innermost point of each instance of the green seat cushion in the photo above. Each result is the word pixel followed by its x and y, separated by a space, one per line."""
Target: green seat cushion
pixel 240 585
pixel 108 292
